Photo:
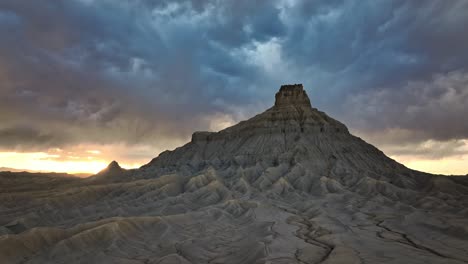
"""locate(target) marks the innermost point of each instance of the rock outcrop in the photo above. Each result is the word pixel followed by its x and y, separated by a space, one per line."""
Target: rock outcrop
pixel 293 94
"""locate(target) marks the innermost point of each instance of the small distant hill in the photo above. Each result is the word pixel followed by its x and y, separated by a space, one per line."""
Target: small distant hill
pixel 15 170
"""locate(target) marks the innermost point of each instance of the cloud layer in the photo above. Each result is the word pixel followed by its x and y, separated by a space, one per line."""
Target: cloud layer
pixel 149 73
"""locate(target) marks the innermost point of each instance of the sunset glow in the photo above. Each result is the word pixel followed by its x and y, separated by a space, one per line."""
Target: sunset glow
pixel 41 161
pixel 53 162
pixel 446 166
pixel 87 159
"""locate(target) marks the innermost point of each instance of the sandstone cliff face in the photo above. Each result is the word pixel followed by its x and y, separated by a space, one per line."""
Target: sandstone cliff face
pixel 292 95
pixel 290 133
pixel 287 125
pixel 291 114
pixel 290 185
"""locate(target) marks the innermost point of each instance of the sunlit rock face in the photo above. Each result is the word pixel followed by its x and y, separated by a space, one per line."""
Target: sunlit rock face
pixel 289 185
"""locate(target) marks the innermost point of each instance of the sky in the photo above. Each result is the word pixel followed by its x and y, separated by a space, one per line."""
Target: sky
pixel 85 82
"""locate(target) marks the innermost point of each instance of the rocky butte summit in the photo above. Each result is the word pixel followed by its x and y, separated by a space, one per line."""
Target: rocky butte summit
pixel 289 185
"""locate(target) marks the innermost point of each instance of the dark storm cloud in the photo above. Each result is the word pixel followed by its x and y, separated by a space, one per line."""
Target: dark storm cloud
pixel 433 109
pixel 27 138
pixel 149 71
pixel 373 43
pixel 391 64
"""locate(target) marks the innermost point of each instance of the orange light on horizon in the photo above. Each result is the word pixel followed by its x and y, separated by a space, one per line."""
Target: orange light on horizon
pixel 446 166
pixel 41 161
pixel 44 162
pixel 81 158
